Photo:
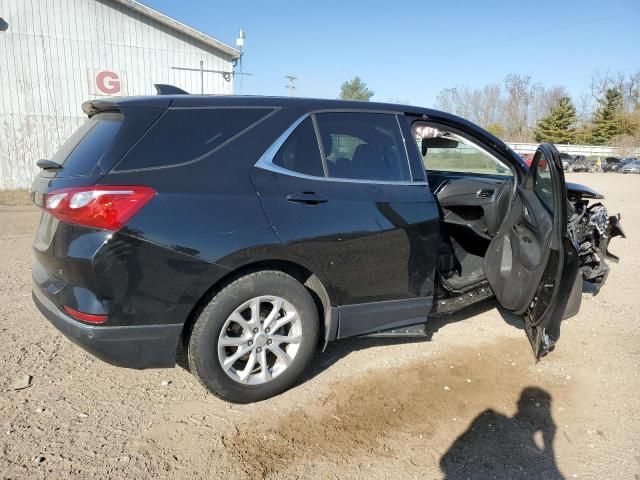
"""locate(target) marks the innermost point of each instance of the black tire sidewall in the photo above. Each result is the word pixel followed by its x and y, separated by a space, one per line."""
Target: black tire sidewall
pixel 203 345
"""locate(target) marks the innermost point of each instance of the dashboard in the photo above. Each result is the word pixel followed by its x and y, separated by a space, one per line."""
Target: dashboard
pixel 475 202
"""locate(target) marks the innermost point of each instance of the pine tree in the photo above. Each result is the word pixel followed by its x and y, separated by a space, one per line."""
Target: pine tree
pixel 355 89
pixel 558 126
pixel 607 120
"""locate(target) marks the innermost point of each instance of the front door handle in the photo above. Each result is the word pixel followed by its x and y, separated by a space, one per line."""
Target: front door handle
pixel 308 198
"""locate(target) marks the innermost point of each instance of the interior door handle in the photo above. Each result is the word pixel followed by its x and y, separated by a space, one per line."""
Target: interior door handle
pixel 309 198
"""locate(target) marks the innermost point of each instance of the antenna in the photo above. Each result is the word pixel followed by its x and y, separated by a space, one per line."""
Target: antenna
pixel 291 87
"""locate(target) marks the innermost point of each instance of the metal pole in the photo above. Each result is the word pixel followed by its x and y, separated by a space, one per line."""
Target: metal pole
pixel 241 73
pixel 201 77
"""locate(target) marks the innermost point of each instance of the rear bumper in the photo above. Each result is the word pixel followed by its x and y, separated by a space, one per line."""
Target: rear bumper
pixel 140 346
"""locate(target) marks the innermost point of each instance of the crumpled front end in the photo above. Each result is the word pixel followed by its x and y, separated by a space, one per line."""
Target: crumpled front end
pixel 592 228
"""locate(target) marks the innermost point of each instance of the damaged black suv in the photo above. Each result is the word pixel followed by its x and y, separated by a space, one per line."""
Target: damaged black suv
pixel 251 231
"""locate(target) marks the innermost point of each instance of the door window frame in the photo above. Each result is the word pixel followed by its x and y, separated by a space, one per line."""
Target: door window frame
pixel 480 146
pixel 265 161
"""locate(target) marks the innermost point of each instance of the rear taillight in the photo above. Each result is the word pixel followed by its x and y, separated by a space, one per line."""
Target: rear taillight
pixel 99 206
pixel 85 317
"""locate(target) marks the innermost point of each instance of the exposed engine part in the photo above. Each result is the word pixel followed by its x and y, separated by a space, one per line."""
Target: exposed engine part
pixel 592 228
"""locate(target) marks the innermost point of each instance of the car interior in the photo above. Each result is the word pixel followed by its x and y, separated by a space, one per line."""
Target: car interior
pixel 473 190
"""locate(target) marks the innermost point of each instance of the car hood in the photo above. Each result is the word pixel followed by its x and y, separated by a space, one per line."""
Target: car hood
pixel 583 190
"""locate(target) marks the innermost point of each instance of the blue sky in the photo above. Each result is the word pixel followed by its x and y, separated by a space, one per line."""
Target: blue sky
pixel 410 51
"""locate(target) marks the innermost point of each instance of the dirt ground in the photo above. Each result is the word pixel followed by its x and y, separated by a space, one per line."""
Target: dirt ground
pixel 468 403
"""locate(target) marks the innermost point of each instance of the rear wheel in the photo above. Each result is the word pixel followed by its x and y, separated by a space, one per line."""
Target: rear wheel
pixel 255 337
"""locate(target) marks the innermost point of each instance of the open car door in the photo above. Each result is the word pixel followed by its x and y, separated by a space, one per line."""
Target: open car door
pixel 532 263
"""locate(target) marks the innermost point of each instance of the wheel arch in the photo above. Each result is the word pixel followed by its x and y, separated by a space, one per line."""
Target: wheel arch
pixel 319 290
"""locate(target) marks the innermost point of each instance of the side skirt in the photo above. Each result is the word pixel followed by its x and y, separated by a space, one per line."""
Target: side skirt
pixel 377 317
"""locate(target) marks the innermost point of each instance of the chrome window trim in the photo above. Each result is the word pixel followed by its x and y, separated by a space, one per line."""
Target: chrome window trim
pixel 323 158
pixel 265 162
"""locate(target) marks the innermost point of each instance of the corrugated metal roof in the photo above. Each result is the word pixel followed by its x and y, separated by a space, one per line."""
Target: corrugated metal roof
pixel 180 27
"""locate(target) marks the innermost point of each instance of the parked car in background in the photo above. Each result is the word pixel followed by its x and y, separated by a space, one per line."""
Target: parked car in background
pixel 581 164
pixel 528 158
pixel 567 160
pixel 611 164
pixel 252 230
pixel 631 167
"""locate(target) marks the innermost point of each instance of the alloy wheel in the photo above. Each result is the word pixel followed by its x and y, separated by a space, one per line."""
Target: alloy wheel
pixel 259 340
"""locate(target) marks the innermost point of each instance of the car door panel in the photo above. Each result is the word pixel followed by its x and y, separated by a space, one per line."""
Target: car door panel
pixel 373 242
pixel 372 239
pixel 531 264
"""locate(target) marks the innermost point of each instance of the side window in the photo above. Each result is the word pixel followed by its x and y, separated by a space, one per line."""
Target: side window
pixel 301 153
pixel 186 134
pixel 542 183
pixel 363 146
pixel 445 151
pixel 81 154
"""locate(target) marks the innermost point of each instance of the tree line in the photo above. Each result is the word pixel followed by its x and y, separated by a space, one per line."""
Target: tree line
pixel 521 110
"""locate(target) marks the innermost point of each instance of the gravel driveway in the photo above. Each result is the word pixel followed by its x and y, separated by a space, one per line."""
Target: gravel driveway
pixel 469 401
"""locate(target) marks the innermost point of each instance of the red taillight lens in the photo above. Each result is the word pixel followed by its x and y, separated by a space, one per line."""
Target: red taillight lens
pixel 85 317
pixel 99 206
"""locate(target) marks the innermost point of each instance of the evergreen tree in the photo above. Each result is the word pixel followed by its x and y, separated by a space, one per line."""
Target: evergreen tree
pixel 355 89
pixel 558 126
pixel 607 121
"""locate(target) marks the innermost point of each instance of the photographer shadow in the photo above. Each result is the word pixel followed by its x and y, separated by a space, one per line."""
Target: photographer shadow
pixel 499 447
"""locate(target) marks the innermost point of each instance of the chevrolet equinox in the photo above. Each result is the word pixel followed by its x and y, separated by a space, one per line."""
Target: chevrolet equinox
pixel 251 231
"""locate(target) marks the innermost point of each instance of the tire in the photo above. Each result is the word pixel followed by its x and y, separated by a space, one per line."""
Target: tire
pixel 229 308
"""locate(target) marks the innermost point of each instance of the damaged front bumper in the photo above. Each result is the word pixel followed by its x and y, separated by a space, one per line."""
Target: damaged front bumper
pixel 593 228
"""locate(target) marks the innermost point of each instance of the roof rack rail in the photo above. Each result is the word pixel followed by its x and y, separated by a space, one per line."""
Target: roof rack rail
pixel 164 89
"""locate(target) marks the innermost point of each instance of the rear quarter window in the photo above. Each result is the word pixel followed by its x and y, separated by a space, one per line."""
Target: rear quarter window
pixel 82 153
pixel 184 135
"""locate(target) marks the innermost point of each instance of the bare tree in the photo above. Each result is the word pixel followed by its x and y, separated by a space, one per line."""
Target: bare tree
pixel 519 91
pixel 482 106
pixel 514 108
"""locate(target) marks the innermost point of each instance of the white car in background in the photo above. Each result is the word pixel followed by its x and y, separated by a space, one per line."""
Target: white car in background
pixel 631 167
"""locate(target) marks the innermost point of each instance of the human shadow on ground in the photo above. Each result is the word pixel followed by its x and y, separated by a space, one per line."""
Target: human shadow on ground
pixel 499 447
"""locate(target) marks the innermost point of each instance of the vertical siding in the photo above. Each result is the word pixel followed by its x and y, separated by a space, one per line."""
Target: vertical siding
pixel 45 56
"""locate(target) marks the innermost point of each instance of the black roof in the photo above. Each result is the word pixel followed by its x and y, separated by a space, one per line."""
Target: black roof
pixel 300 104
pixel 257 100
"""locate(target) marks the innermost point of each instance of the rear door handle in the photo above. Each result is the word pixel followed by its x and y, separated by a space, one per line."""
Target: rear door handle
pixel 309 198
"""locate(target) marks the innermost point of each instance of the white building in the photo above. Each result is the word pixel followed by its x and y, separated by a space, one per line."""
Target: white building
pixel 55 54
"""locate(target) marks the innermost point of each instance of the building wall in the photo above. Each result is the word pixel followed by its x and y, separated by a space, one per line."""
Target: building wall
pixel 49 54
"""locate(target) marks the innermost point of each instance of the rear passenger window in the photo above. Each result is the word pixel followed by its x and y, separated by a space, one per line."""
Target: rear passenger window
pixel 187 134
pixel 363 146
pixel 301 153
pixel 83 151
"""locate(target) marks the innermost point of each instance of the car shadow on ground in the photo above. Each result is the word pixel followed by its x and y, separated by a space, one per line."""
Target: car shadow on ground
pixel 337 350
pixel 502 447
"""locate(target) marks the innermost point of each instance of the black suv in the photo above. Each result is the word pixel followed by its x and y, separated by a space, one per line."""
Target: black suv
pixel 253 230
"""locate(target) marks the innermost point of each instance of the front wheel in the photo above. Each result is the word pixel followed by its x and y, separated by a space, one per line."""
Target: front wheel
pixel 255 337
